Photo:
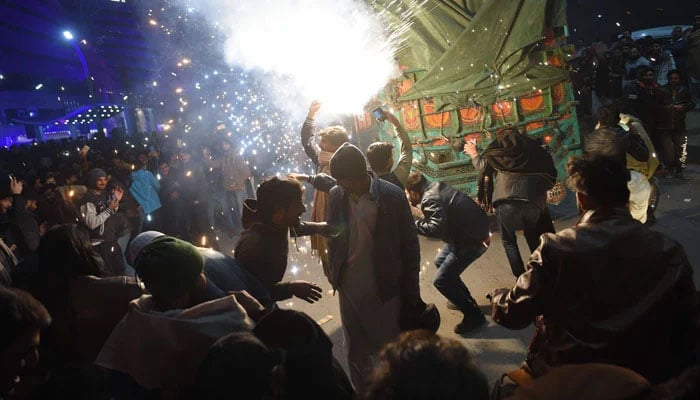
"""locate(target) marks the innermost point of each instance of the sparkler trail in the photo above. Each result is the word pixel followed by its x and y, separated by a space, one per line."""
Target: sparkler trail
pixel 338 51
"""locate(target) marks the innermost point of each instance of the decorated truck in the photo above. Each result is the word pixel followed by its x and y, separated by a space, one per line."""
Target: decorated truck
pixel 471 68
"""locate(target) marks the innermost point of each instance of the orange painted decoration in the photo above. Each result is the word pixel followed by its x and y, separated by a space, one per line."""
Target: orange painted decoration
pixel 532 104
pixel 534 126
pixel 435 120
pixel 471 115
pixel 411 116
pixel 404 86
pixel 557 93
pixel 502 109
pixel 363 121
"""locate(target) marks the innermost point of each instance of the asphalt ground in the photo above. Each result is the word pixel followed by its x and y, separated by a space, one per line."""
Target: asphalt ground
pixel 496 349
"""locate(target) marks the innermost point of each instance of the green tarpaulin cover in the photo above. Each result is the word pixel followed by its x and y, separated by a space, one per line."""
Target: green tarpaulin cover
pixel 476 51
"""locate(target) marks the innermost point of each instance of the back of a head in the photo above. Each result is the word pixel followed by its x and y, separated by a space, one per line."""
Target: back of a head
pixel 20 312
pixel 336 135
pixel 276 193
pixel 603 180
pixel 169 268
pixel 423 365
pixel 608 116
pixel 378 155
pixel 237 366
pixel 21 317
pixel 309 363
pixel 415 182
pixel 65 252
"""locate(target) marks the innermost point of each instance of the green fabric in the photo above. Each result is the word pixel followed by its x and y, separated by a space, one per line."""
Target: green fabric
pixel 169 267
pixel 476 51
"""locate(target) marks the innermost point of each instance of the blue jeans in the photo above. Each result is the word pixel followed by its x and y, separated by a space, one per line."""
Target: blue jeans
pixel 221 199
pixel 515 215
pixel 451 262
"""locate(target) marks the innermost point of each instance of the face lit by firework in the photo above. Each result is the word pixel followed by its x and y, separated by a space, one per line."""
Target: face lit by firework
pixel 185 157
pixel 164 169
pixel 326 145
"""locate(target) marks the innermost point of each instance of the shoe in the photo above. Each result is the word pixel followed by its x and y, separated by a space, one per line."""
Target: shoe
pixel 470 324
pixel 452 306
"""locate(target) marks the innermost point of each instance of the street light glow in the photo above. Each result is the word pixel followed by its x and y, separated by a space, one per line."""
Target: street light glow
pixel 68 35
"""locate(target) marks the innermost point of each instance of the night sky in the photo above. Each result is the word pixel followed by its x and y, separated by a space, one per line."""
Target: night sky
pixel 583 16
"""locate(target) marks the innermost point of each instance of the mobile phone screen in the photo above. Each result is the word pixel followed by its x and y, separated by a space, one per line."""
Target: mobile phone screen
pixel 378 114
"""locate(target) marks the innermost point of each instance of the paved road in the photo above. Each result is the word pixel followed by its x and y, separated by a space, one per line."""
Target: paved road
pixel 497 349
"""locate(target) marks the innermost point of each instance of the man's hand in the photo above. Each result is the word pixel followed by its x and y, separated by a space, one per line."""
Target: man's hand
pixel 470 149
pixel 298 177
pixel 250 304
pixel 313 109
pixel 16 186
pixel 416 212
pixel 306 291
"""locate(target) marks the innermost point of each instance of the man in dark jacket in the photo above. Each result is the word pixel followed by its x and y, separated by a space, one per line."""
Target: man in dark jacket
pixel 524 173
pixel 608 289
pixel 677 102
pixel 454 217
pixel 374 258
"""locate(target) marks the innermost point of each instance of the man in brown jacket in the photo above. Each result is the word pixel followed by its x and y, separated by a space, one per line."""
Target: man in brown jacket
pixel 606 290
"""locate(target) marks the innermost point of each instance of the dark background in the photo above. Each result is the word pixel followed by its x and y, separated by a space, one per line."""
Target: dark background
pixel 631 14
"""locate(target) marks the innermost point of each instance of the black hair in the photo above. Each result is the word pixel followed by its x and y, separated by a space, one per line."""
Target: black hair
pixel 421 365
pixel 674 71
pixel 378 154
pixel 415 182
pixel 276 193
pixel 20 313
pixel 608 115
pixel 65 252
pixel 603 180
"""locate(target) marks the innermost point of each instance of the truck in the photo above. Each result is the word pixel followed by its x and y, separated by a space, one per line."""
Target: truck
pixel 472 68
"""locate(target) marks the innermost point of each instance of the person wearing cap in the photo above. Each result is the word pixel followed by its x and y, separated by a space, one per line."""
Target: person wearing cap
pixel 223 273
pixel 263 248
pixel 160 342
pixel 374 257
pixel 98 208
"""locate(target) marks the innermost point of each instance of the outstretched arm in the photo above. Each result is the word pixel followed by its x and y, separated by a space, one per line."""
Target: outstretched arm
pixel 403 167
pixel 307 133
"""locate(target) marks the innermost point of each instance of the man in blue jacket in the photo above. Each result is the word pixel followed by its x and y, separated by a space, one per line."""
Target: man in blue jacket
pixel 456 219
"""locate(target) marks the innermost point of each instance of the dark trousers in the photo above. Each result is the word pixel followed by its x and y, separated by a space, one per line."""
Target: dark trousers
pixel 451 262
pixel 672 148
pixel 516 215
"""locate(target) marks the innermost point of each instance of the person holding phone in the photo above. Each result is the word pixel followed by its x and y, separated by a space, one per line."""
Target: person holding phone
pixel 381 154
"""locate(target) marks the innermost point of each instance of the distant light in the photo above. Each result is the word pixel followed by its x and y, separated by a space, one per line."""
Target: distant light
pixel 153 22
pixel 155 83
pixel 68 35
pixel 39 86
pixel 618 24
pixel 600 15
pixel 125 97
pixel 83 41
pixel 2 76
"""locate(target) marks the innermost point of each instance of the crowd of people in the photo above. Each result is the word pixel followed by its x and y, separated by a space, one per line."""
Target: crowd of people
pixel 112 285
pixel 648 78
